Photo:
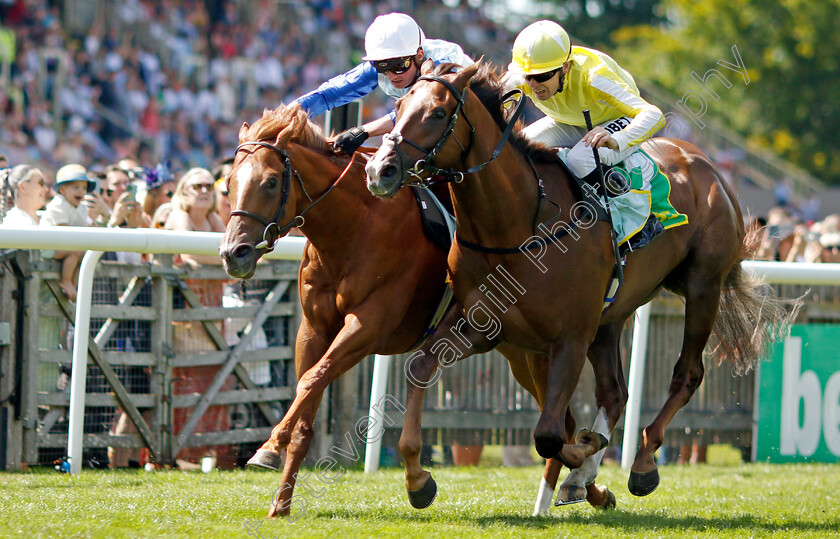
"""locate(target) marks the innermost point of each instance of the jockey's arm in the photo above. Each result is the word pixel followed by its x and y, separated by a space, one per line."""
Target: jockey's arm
pixel 340 90
pixel 646 119
pixel 380 126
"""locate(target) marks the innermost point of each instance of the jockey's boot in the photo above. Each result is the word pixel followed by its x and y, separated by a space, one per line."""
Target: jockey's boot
pixel 644 236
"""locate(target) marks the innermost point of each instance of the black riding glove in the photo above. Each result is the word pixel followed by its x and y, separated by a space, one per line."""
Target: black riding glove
pixel 350 140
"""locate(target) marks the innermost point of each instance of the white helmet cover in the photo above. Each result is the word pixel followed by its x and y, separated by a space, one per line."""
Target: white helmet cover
pixel 394 35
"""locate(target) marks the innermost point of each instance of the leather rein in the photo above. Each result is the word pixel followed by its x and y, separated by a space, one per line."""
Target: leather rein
pixel 426 164
pixel 267 242
pixel 449 175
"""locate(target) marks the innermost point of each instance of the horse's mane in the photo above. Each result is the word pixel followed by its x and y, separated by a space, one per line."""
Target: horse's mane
pixel 294 117
pixel 488 85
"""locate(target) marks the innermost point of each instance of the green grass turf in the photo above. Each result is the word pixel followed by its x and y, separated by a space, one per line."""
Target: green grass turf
pixel 745 500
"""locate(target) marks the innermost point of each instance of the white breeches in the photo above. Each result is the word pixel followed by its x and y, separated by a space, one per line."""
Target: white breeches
pixel 580 159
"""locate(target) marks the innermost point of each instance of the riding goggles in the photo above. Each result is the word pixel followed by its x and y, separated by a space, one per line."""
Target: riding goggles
pixel 394 65
pixel 541 77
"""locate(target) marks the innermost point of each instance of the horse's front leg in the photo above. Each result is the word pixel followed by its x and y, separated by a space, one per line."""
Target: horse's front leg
pixel 564 367
pixel 423 369
pixel 610 396
pixel 310 347
pixel 349 347
pixel 295 453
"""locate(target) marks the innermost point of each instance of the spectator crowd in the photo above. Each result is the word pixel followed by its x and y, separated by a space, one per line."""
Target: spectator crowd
pixel 171 80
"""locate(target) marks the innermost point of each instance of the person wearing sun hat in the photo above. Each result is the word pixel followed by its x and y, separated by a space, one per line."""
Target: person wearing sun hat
pixel 66 209
pixel 72 184
pixel 160 187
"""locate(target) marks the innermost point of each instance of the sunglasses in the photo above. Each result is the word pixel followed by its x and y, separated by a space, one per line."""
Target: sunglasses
pixel 541 77
pixel 202 187
pixel 394 65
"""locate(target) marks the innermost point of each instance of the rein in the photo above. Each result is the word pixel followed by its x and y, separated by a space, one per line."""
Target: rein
pixel 427 163
pixel 449 175
pixel 267 243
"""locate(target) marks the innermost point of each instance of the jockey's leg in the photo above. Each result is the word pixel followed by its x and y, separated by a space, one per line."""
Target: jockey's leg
pixel 554 134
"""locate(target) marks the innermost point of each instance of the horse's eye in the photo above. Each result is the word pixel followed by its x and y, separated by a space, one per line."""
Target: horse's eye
pixel 272 182
pixel 439 114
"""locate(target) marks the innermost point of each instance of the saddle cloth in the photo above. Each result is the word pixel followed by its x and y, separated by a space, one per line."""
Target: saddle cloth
pixel 438 224
pixel 649 194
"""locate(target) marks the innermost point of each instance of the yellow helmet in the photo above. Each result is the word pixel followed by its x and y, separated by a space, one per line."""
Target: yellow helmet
pixel 540 47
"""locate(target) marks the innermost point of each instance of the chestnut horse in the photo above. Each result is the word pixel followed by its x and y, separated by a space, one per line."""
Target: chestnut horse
pixel 370 281
pixel 559 270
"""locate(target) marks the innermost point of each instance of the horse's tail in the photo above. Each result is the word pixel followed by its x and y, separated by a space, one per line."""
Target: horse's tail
pixel 752 317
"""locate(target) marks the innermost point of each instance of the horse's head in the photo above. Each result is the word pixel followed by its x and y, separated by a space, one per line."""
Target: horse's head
pixel 261 186
pixel 427 134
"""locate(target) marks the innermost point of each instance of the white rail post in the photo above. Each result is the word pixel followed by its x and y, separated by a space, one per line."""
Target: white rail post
pixel 636 377
pixel 80 351
pixel 376 428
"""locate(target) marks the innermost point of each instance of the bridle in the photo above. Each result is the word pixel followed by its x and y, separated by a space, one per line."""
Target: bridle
pixel 267 242
pixel 426 164
pixel 449 175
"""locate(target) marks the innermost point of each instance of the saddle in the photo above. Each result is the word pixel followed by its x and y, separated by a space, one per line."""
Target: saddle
pixel 438 223
pixel 439 226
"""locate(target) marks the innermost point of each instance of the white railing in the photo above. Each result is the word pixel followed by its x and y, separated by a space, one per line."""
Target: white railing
pixel 95 241
pixel 291 248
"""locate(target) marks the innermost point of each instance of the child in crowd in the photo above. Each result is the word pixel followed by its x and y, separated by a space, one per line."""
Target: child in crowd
pixel 66 209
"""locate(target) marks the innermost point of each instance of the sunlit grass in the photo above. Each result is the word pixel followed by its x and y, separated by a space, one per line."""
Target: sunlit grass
pixel 746 500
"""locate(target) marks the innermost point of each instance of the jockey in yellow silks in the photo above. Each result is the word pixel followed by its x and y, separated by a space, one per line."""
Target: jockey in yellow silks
pixel 564 80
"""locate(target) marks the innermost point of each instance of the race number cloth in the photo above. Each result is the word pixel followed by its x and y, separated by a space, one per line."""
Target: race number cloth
pixel 649 194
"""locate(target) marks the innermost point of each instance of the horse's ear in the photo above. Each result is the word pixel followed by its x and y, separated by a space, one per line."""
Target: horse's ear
pixel 243 130
pixel 285 135
pixel 427 66
pixel 462 78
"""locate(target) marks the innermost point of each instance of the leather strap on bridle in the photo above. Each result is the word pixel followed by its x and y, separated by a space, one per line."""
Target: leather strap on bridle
pixel 448 175
pixel 267 242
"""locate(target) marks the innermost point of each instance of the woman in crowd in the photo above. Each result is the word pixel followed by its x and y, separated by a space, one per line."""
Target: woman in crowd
pixel 160 188
pixel 29 191
pixel 193 208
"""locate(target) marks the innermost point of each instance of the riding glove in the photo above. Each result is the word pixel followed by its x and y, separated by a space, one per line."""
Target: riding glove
pixel 350 140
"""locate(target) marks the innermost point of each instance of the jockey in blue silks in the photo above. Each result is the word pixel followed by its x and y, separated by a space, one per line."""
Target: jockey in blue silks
pixel 395 48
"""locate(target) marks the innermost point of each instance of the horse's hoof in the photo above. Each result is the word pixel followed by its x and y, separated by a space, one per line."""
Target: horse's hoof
pixel 266 459
pixel 642 484
pixel 609 503
pixel 423 496
pixel 549 447
pixel 585 435
pixel 569 494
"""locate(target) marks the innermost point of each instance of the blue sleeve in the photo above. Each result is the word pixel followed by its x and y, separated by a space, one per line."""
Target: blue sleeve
pixel 341 89
pixel 393 116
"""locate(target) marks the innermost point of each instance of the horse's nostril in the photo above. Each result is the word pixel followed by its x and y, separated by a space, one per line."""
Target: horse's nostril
pixel 388 173
pixel 243 251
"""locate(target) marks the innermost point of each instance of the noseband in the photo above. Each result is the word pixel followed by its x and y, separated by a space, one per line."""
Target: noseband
pixel 427 163
pixel 267 242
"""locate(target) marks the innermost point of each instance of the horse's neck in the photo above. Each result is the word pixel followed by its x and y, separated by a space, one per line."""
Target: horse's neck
pixel 341 212
pixel 499 202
